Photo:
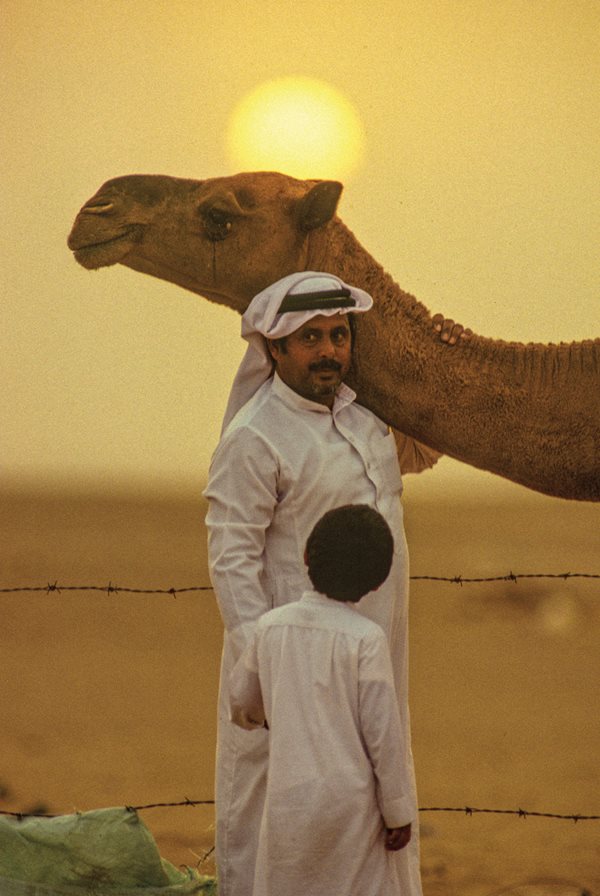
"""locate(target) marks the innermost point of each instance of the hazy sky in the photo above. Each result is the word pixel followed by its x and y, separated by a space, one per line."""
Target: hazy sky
pixel 479 192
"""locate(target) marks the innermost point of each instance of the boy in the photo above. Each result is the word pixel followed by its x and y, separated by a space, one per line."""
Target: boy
pixel 318 674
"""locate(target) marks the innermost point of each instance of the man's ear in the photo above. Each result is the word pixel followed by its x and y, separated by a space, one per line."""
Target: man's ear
pixel 305 557
pixel 273 349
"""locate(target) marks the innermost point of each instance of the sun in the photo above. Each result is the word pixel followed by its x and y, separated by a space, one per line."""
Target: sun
pixel 299 126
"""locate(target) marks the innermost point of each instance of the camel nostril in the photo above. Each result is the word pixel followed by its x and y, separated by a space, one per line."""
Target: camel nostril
pixel 99 208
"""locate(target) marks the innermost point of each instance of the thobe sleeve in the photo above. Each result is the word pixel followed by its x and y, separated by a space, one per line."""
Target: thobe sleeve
pixel 413 456
pixel 242 495
pixel 382 732
pixel 245 696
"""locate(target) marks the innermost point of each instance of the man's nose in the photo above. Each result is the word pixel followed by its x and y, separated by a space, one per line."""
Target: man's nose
pixel 327 348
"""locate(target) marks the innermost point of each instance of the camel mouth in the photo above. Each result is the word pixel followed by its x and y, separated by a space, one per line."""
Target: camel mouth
pixel 101 254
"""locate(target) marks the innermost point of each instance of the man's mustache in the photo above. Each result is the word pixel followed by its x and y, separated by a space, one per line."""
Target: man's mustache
pixel 325 364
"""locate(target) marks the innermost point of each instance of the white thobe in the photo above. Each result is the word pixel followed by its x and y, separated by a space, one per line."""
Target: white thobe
pixel 282 462
pixel 320 674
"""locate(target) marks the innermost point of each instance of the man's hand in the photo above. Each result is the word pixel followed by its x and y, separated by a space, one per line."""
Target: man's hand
pixel 397 838
pixel 449 331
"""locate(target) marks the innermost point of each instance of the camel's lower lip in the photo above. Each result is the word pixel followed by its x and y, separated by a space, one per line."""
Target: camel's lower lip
pixel 99 254
pixel 90 247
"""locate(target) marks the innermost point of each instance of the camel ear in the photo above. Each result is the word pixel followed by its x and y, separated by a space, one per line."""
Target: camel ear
pixel 319 205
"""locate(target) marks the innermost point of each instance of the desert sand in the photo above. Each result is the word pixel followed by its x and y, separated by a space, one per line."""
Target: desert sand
pixel 109 699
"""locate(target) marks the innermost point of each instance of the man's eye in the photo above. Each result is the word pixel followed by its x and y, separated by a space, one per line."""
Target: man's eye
pixel 310 338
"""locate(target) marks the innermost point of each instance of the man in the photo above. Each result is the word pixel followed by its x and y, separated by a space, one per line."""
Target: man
pixel 294 445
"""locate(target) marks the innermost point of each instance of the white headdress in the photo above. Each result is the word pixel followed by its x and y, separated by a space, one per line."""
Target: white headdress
pixel 279 310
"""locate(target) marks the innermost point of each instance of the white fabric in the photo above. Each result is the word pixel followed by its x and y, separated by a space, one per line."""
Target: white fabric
pixel 261 321
pixel 321 675
pixel 283 462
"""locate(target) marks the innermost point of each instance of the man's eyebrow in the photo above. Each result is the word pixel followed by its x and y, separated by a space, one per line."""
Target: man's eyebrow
pixel 308 328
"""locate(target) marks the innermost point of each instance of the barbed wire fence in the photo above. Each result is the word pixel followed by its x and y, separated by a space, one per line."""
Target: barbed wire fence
pixel 110 589
pixel 466 810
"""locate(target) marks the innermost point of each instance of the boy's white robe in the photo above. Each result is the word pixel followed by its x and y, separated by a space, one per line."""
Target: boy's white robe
pixel 282 462
pixel 321 675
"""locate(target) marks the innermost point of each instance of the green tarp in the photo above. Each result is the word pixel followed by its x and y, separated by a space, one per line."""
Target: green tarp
pixel 105 851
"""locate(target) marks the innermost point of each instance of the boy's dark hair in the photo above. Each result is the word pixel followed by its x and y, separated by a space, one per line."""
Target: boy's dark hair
pixel 349 552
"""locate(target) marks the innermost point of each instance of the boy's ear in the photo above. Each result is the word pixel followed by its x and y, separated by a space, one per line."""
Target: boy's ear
pixel 305 557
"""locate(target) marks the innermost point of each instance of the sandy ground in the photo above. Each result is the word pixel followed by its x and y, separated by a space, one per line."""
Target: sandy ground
pixel 110 699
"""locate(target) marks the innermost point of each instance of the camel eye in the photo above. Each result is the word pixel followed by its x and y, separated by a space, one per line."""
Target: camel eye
pixel 217 222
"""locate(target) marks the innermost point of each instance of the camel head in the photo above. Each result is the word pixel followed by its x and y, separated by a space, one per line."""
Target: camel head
pixel 203 235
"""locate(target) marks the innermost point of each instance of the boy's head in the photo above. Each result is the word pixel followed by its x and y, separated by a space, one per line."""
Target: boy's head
pixel 349 552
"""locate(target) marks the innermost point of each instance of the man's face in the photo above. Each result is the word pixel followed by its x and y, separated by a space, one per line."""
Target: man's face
pixel 316 357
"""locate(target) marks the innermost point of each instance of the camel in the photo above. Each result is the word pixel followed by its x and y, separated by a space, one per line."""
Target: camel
pixel 529 413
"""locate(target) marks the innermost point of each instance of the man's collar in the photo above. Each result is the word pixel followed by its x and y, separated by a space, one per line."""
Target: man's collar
pixel 344 396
